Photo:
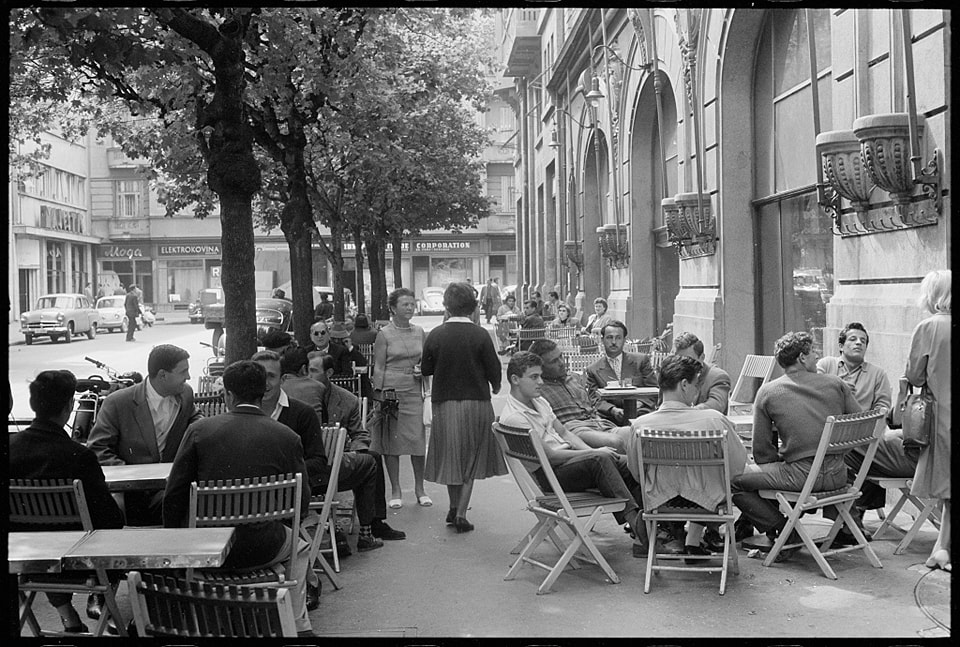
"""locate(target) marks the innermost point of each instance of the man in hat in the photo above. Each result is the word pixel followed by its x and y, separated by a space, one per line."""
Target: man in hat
pixel 340 336
pixel 362 332
pixel 278 341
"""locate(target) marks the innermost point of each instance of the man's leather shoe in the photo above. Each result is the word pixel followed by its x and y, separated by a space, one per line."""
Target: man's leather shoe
pixel 368 543
pixel 640 550
pixel 313 597
pixel 846 538
pixel 695 550
pixel 712 540
pixel 742 528
pixel 95 603
pixel 383 530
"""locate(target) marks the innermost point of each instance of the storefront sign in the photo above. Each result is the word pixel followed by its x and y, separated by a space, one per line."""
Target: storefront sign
pixel 202 249
pixel 442 245
pixel 351 247
pixel 115 251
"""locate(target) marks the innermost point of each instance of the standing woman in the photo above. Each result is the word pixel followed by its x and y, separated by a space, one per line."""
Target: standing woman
pixel 465 367
pixel 396 365
pixel 929 363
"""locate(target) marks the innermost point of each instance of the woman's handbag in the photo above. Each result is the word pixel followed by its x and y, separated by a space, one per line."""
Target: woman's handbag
pixel 916 413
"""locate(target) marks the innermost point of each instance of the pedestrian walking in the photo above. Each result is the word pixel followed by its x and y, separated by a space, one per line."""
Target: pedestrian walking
pixel 465 368
pixel 131 307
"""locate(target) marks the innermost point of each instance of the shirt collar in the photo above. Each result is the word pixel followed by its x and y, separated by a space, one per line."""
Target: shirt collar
pixel 672 404
pixel 154 399
pixel 459 320
pixel 282 403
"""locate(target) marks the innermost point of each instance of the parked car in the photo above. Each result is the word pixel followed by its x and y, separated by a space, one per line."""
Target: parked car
pixel 113 316
pixel 431 301
pixel 210 301
pixel 350 307
pixel 60 315
pixel 274 314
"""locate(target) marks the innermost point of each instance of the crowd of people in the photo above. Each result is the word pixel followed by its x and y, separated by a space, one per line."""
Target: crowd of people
pixel 444 380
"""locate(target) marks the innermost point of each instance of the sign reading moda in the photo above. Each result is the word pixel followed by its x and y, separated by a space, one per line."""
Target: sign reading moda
pixel 189 250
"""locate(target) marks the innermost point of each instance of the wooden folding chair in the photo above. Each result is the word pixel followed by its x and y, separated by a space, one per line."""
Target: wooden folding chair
pixel 58 504
pixel 578 363
pixel 927 509
pixel 210 404
pixel 840 435
pixel 577 513
pixel 656 360
pixel 351 383
pixel 367 351
pixel 526 337
pixel 170 606
pixel 334 439
pixel 237 502
pixel 693 452
pixel 756 371
pixel 565 338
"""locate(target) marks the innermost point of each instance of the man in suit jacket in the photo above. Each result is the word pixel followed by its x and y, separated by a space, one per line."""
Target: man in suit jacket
pixel 618 365
pixel 244 443
pixel 714 383
pixel 145 423
pixel 44 451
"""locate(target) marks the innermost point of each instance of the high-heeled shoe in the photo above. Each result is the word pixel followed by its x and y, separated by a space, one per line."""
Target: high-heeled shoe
pixel 462 525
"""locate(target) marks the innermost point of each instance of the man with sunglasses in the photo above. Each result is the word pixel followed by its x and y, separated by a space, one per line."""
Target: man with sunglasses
pixel 320 341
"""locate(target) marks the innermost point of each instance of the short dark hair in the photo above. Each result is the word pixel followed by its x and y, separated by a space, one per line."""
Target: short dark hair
pixel 554 294
pixel 675 369
pixel 265 356
pixel 854 325
pixel 510 295
pixel 276 339
pixel 686 340
pixel 326 361
pixel 361 321
pixel 459 299
pixel 246 380
pixel 788 348
pixel 394 297
pixel 521 361
pixel 542 346
pixel 51 391
pixel 293 359
pixel 166 357
pixel 616 324
pixel 532 303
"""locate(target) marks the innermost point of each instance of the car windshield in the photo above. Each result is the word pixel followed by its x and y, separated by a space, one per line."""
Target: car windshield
pixel 55 302
pixel 110 303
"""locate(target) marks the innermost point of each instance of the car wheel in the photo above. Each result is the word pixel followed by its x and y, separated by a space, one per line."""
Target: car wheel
pixel 68 336
pixel 123 325
pixel 27 338
pixel 92 332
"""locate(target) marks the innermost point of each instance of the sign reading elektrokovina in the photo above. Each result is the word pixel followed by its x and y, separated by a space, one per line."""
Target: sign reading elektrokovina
pixel 189 250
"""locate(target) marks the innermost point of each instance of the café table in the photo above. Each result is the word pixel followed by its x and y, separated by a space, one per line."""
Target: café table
pixel 149 548
pixel 145 476
pixel 628 396
pixel 743 422
pixel 40 551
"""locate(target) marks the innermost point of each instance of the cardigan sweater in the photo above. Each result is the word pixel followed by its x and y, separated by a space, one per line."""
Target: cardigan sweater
pixel 463 362
pixel 798 404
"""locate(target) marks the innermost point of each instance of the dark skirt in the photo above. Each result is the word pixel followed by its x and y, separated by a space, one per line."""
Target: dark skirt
pixel 462 446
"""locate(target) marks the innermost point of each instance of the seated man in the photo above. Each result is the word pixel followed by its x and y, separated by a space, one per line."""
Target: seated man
pixel 244 443
pixel 44 451
pixel 788 418
pixel 278 341
pixel 339 406
pixel 713 390
pixel 680 385
pixel 571 403
pixel 350 357
pixel 871 388
pixel 144 423
pixel 577 466
pixel 531 318
pixel 618 365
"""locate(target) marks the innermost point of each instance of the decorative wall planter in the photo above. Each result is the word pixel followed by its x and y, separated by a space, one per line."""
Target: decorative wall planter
pixel 614 244
pixel 846 177
pixel 574 253
pixel 694 217
pixel 885 145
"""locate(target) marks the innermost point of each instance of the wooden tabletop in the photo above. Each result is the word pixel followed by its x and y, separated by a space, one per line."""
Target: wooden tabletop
pixel 139 548
pixel 41 551
pixel 147 476
pixel 631 392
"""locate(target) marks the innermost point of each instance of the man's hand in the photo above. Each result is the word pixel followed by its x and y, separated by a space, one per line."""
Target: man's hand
pixel 605 450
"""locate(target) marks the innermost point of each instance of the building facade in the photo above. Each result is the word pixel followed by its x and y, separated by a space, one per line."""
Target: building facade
pixel 703 167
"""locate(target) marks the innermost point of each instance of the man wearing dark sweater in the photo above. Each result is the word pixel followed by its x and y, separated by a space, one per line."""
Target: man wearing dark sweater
pixel 788 418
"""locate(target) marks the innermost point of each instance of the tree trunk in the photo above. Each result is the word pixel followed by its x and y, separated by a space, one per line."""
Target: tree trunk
pixel 237 276
pixel 359 297
pixel 301 283
pixel 377 278
pixel 397 241
pixel 336 259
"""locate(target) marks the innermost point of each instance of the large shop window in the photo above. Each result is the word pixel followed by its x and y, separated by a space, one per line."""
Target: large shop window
pixel 444 271
pixel 794 236
pixel 139 272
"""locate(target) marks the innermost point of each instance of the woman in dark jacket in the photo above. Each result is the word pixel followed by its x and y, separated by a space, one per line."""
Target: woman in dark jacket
pixel 465 368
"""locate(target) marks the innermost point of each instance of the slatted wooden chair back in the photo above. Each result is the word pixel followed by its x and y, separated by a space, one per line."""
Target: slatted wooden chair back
pixel 517 448
pixel 351 383
pixel 697 453
pixel 565 337
pixel 57 503
pixel 840 435
pixel 334 445
pixel 238 502
pixel 526 337
pixel 589 344
pixel 638 346
pixel 578 363
pixel 367 351
pixel 48 502
pixel 656 359
pixel 167 606
pixel 210 404
pixel 756 371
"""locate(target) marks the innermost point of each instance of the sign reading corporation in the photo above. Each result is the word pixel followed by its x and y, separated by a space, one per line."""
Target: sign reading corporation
pixel 199 249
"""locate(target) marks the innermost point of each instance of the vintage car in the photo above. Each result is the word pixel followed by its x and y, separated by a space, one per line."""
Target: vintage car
pixel 209 308
pixel 113 316
pixel 60 315
pixel 431 301
pixel 274 314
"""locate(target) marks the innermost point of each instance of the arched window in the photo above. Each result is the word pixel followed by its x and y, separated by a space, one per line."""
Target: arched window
pixel 795 242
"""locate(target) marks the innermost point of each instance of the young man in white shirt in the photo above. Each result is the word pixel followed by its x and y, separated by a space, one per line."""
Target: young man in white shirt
pixel 578 466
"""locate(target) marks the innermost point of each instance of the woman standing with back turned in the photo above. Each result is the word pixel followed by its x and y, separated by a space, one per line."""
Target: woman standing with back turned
pixel 929 363
pixel 465 367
